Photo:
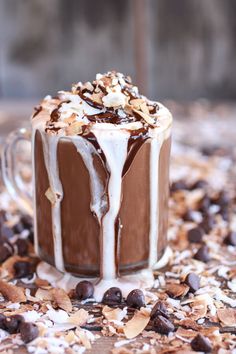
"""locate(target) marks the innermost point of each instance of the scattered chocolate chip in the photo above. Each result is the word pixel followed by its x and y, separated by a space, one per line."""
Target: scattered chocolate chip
pixel 179 185
pixel 204 204
pixel 5 251
pixel 23 269
pixel 22 247
pixel 159 309
pixel 195 235
pixel 207 223
pixel 112 296
pixel 163 325
pixel 201 344
pixel 84 290
pixel 2 321
pixel 203 254
pixel 199 184
pixel 29 331
pixel 230 239
pixel 12 323
pixel 6 232
pixel 136 299
pixel 193 281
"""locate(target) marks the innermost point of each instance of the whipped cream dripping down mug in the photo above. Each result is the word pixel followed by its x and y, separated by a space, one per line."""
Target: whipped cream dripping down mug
pixel 100 179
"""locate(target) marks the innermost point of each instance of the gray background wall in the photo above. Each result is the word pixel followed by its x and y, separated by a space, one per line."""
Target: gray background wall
pixel 45 45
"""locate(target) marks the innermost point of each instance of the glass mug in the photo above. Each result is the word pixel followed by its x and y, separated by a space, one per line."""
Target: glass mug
pixel 67 234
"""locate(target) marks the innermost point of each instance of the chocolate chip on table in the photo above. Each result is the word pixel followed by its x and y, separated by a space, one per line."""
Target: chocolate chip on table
pixel 201 344
pixel 203 254
pixel 22 269
pixel 29 331
pixel 162 325
pixel 195 234
pixel 193 281
pixel 207 223
pixel 178 185
pixel 12 323
pixel 22 247
pixel 5 251
pixel 112 296
pixel 84 290
pixel 159 309
pixel 135 299
pixel 230 239
pixel 2 320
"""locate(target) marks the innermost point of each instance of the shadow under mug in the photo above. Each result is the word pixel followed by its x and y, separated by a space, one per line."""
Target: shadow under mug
pixel 67 234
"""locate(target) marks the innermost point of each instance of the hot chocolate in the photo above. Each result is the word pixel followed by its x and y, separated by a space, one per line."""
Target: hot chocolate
pixel 101 164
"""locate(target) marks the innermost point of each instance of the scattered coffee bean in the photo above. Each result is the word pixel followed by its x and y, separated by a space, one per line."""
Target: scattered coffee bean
pixel 195 235
pixel 2 321
pixel 5 251
pixel 201 344
pixel 179 185
pixel 203 254
pixel 84 290
pixel 207 223
pixel 162 325
pixel 199 184
pixel 112 296
pixel 193 281
pixel 6 232
pixel 22 247
pixel 135 299
pixel 230 239
pixel 12 323
pixel 29 331
pixel 22 269
pixel 159 309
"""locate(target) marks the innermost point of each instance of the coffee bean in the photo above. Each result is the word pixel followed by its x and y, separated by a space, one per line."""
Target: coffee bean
pixel 195 235
pixel 29 331
pixel 230 239
pixel 6 232
pixel 193 281
pixel 207 223
pixel 2 321
pixel 201 344
pixel 112 296
pixel 12 323
pixel 5 251
pixel 163 325
pixel 203 254
pixel 135 299
pixel 199 184
pixel 159 309
pixel 179 185
pixel 84 290
pixel 22 247
pixel 22 269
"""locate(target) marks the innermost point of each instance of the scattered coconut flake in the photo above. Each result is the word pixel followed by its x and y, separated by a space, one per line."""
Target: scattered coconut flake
pixel 137 323
pixel 59 316
pixel 61 299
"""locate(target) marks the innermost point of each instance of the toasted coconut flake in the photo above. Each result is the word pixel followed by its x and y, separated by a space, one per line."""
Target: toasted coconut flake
pixel 79 318
pixel 70 119
pixel 43 294
pixel 75 128
pixel 177 290
pixel 227 316
pixel 41 283
pixel 137 323
pixel 12 292
pixel 148 119
pixel 114 314
pixel 61 299
pixel 51 196
pixel 96 97
pixel 84 338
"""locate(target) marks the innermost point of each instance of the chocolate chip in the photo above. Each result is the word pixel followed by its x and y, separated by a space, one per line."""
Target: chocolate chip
pixel 203 254
pixel 5 252
pixel 12 323
pixel 201 344
pixel 29 331
pixel 6 232
pixel 84 290
pixel 22 247
pixel 18 228
pixel 163 325
pixel 2 321
pixel 195 235
pixel 159 309
pixel 230 239
pixel 22 269
pixel 179 185
pixel 188 216
pixel 207 223
pixel 112 296
pixel 204 204
pixel 193 281
pixel 27 221
pixel 135 299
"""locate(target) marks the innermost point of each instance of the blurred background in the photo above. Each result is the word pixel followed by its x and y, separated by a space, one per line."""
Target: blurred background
pixel 182 52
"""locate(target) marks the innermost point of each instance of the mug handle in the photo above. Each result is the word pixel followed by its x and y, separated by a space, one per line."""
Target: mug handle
pixel 14 183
